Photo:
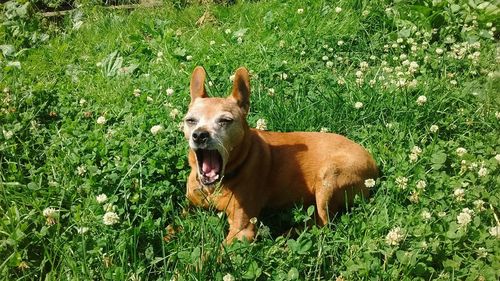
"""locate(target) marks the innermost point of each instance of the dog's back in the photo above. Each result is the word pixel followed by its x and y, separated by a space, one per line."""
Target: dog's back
pixel 305 163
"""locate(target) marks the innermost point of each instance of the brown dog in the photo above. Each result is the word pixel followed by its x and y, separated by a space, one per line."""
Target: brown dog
pixel 241 170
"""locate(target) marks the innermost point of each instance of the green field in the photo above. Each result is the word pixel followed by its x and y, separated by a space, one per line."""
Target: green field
pixel 415 82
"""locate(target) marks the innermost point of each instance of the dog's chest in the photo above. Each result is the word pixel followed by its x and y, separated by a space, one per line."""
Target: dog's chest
pixel 218 197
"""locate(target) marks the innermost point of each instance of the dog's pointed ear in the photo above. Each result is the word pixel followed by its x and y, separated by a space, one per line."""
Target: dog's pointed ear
pixel 197 86
pixel 241 88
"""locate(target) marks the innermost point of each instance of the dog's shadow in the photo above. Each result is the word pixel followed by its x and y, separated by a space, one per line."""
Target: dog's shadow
pixel 288 222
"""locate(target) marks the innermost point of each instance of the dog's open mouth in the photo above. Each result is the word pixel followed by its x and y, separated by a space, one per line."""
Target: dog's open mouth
pixel 209 165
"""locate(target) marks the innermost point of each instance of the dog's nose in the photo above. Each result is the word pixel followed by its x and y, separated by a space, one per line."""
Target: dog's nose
pixel 200 137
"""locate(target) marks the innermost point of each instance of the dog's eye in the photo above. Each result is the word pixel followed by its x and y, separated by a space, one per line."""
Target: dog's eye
pixel 191 121
pixel 224 121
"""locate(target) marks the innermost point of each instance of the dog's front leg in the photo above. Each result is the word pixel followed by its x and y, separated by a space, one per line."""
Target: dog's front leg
pixel 240 225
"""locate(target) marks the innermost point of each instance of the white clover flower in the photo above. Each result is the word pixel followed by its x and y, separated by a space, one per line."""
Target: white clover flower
pixel 439 51
pixel 239 40
pixel 82 230
pixel 50 215
pixel 465 217
pixel 283 76
pixel 401 82
pixel 212 42
pixel 402 182
pixel 497 114
pixel 497 157
pixel 369 183
pixel 101 120
pixel 101 198
pixel 413 66
pixel 365 13
pixel 413 157
pixel 188 58
pixel 300 11
pixel 270 91
pixel 227 31
pixel 329 64
pixel 49 212
pixel 341 81
pixel 414 197
pixel 394 237
pixel 482 172
pixel 417 150
pixel 324 130
pixel 363 65
pixel 495 231
pixel 149 99
pixel 481 252
pixel 7 134
pixel 433 128
pixel 81 170
pixel 338 10
pixel 358 105
pixel 426 215
pixel 421 100
pixel 340 42
pixel 421 184
pixel 473 166
pixel 170 91
pixel 228 277
pixel 261 124
pixel 110 218
pixel 359 73
pixel 325 58
pixel 459 194
pixel 156 129
pixel 468 211
pixel 137 93
pixel 82 102
pixel 174 113
pixel 479 204
pixel 461 151
pixel 231 78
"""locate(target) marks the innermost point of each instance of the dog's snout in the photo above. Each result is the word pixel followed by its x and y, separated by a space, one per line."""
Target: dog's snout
pixel 200 137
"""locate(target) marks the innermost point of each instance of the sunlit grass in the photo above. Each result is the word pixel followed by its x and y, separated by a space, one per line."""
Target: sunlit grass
pixel 93 164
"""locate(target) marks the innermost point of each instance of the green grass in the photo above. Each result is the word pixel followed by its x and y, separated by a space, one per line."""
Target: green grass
pixel 53 153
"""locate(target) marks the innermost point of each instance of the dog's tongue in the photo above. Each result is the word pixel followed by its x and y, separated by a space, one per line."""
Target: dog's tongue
pixel 211 163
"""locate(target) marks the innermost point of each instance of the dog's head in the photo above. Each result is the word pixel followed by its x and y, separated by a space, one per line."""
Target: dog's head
pixel 215 126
